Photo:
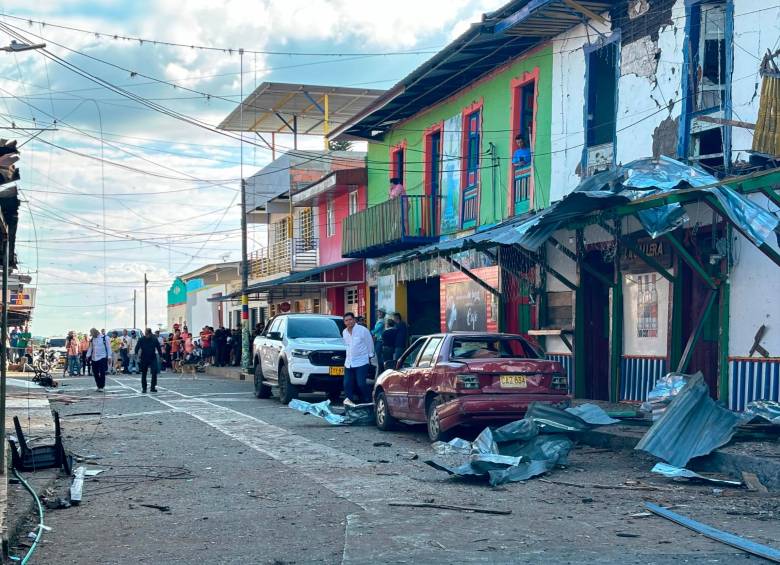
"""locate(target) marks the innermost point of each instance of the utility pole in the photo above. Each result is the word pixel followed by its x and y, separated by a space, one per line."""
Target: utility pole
pixel 146 304
pixel 244 258
pixel 134 291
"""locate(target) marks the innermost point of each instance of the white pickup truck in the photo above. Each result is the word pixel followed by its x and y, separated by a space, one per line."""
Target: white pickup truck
pixel 300 353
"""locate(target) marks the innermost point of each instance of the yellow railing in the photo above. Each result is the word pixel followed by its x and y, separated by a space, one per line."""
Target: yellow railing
pixel 285 256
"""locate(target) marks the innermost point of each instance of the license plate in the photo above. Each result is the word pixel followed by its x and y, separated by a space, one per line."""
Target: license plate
pixel 513 381
pixel 337 371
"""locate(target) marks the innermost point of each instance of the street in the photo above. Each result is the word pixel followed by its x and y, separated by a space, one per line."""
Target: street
pixel 203 472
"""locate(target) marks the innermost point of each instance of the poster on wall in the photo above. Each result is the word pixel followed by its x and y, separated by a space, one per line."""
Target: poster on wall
pixel 465 305
pixel 645 314
pixel 385 292
pixel 450 175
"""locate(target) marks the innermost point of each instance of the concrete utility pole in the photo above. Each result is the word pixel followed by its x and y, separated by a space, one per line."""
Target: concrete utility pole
pixel 244 258
pixel 146 304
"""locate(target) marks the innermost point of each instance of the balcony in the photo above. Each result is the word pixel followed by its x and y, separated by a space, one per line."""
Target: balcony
pixel 394 225
pixel 521 189
pixel 284 257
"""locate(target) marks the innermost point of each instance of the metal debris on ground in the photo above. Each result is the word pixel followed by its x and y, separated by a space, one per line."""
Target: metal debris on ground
pixel 692 425
pixel 77 487
pixel 764 551
pixel 522 449
pixel 354 414
pixel 159 507
pixel 666 388
pixel 673 472
pixel 753 483
pixel 450 507
pixel 766 409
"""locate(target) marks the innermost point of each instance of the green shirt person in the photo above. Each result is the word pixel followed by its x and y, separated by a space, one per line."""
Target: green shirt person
pixel 23 339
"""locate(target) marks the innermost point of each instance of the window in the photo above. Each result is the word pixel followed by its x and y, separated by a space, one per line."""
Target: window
pixel 471 177
pixel 330 219
pixel 601 108
pixel 428 352
pixel 280 230
pixel 398 159
pixel 492 348
pixel 306 222
pixel 312 327
pixel 351 300
pixel 523 105
pixel 353 202
pixel 409 358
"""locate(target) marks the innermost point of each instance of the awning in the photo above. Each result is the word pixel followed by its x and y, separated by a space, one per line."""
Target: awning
pixel 295 283
pixel 654 190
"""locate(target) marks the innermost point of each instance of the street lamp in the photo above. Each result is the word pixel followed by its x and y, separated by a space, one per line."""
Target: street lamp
pixel 16 47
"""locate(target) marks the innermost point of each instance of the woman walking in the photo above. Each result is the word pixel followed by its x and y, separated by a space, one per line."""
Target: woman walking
pixel 99 353
pixel 86 368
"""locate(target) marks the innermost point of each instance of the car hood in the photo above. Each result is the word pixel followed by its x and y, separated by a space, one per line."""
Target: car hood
pixel 319 343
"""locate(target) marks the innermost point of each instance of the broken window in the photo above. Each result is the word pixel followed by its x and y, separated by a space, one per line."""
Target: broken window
pixel 707 76
pixel 601 107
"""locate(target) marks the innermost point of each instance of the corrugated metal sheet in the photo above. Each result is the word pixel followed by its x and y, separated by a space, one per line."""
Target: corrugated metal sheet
pixel 692 425
pixel 638 376
pixel 753 379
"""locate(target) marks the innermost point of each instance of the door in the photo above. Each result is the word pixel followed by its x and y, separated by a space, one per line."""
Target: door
pixel 421 378
pixel 272 348
pixel 704 357
pixel 597 316
pixel 435 179
pixel 397 387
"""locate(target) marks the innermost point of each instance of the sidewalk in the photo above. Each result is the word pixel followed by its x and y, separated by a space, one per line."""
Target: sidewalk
pixel 228 373
pixel 30 403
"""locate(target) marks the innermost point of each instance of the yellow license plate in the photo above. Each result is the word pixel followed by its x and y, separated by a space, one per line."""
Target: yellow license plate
pixel 337 371
pixel 513 381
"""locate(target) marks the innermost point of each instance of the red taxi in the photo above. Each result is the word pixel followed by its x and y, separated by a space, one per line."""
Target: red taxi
pixel 453 379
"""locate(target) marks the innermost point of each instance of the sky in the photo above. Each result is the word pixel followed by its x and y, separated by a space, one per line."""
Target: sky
pixel 113 189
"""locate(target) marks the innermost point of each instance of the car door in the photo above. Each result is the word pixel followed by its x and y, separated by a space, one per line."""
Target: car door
pixel 267 350
pixel 398 390
pixel 421 377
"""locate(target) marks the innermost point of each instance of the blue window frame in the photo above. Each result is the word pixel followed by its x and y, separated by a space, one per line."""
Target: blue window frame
pixel 472 169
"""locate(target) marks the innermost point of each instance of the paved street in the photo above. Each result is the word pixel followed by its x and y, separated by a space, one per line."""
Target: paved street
pixel 251 481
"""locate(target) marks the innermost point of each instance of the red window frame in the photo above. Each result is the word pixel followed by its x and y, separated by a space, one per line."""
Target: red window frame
pixel 470 179
pixel 516 85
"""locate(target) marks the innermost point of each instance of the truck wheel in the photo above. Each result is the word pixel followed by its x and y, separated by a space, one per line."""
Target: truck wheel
pixel 261 390
pixel 384 420
pixel 287 390
pixel 435 432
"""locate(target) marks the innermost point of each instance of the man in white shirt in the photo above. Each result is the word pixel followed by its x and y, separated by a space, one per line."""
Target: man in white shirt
pixel 132 341
pixel 360 350
pixel 99 351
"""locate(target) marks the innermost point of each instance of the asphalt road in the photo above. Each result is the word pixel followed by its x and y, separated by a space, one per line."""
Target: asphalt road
pixel 232 479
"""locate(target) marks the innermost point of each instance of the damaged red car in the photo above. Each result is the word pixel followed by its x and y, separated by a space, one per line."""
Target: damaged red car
pixel 454 379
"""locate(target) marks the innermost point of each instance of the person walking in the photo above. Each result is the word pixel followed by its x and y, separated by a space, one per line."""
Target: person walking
pixel 99 352
pixel 116 345
pixel 146 349
pixel 72 349
pixel 132 341
pixel 360 350
pixel 124 351
pixel 86 368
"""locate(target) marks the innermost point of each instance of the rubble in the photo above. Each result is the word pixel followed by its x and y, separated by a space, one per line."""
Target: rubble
pixel 354 414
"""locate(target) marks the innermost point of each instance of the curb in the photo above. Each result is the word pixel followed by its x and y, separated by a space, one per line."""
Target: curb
pixel 232 373
pixel 767 470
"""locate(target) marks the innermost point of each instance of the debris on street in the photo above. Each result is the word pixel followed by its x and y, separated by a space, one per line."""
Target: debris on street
pixel 764 551
pixel 673 472
pixel 77 486
pixel 692 425
pixel 525 448
pixel 766 409
pixel 450 507
pixel 665 389
pixel 354 414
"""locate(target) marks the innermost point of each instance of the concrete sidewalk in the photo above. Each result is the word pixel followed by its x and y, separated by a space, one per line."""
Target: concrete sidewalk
pixel 30 403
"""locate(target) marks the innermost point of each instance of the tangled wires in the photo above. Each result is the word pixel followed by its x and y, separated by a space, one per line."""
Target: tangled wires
pixel 128 476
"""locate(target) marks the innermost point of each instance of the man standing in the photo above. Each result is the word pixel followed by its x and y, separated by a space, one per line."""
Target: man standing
pixel 14 342
pixel 401 336
pixel 23 340
pixel 132 341
pixel 124 351
pixel 147 349
pixel 99 352
pixel 220 345
pixel 360 350
pixel 379 329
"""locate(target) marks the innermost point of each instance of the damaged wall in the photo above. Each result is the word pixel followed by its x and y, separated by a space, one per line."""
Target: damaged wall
pixel 648 108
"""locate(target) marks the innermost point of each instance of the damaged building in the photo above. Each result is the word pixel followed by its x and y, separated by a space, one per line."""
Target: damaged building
pixel 634 234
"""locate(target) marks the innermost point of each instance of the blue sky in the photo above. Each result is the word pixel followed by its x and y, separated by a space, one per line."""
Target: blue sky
pixel 171 188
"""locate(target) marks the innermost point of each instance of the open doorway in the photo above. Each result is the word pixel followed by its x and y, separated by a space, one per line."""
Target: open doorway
pixel 597 327
pixel 424 315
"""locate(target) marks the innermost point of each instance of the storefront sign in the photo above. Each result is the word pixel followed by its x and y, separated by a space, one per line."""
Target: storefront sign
pixel 645 314
pixel 467 306
pixel 385 293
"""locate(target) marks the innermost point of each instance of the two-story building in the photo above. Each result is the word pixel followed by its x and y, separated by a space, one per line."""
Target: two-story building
pixel 630 239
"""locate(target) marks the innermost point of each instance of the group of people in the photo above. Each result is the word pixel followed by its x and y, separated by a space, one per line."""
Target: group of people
pixel 391 336
pixel 19 340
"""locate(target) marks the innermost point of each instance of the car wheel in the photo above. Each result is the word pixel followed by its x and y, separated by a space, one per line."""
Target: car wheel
pixel 384 420
pixel 261 390
pixel 287 391
pixel 435 432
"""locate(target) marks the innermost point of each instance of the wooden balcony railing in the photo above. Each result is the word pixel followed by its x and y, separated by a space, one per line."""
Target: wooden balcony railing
pixel 521 189
pixel 398 223
pixel 286 256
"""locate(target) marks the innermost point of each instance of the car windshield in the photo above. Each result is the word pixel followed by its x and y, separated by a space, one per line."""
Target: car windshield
pixel 314 327
pixel 57 342
pixel 492 348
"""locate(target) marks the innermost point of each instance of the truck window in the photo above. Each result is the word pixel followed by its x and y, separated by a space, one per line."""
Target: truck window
pixel 314 327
